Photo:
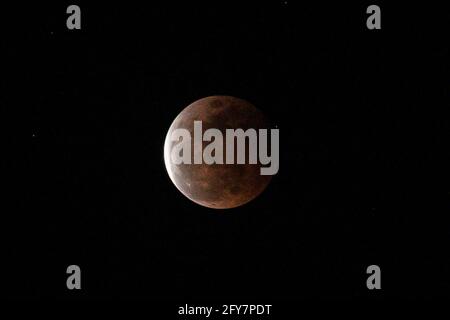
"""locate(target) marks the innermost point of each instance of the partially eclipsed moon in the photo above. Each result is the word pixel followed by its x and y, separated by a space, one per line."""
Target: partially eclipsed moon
pixel 218 186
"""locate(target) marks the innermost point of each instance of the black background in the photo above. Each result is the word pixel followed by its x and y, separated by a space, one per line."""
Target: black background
pixel 364 151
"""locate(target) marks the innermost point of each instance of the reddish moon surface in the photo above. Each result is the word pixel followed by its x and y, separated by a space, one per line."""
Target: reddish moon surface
pixel 218 186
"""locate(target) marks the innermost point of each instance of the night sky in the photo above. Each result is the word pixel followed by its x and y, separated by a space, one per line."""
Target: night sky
pixel 364 152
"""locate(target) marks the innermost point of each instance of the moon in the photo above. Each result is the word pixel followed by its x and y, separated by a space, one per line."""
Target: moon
pixel 218 186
